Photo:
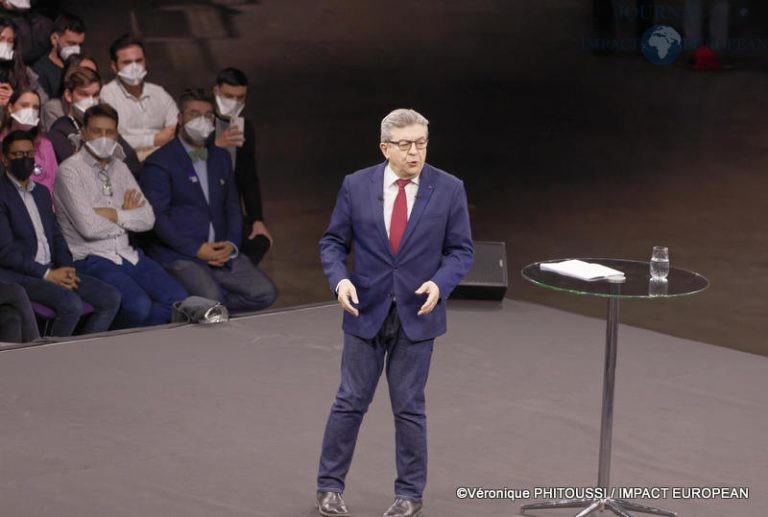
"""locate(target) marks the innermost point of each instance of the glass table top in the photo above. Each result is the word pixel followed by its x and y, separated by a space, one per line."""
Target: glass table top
pixel 636 284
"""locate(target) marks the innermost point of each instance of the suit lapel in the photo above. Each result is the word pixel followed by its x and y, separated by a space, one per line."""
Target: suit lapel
pixel 376 202
pixel 19 209
pixel 423 196
pixel 188 168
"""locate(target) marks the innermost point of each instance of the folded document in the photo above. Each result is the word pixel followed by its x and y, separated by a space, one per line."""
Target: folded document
pixel 582 270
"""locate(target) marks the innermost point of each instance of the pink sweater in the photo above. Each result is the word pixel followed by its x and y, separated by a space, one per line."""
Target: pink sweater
pixel 45 157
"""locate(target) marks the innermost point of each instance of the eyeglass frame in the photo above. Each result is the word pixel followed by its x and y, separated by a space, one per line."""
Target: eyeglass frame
pixel 399 144
pixel 15 155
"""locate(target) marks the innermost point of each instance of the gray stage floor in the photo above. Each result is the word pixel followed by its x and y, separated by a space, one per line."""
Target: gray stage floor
pixel 227 421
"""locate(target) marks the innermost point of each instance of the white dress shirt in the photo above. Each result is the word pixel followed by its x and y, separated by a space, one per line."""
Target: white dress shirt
pixel 390 194
pixel 80 188
pixel 141 119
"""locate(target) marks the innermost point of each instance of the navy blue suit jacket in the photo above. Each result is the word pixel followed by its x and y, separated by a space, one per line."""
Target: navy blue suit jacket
pixel 182 216
pixel 437 246
pixel 18 241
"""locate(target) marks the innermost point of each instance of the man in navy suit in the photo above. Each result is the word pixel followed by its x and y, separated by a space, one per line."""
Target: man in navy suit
pixel 409 227
pixel 198 214
pixel 33 252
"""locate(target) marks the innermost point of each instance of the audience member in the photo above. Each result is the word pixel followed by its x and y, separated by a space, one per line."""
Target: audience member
pixel 33 28
pixel 82 87
pixel 66 37
pixel 240 141
pixel 199 218
pixel 147 113
pixel 17 320
pixel 54 109
pixel 23 113
pixel 14 74
pixel 37 253
pixel 97 202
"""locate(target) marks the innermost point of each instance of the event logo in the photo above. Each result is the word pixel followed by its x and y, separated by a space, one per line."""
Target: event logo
pixel 661 45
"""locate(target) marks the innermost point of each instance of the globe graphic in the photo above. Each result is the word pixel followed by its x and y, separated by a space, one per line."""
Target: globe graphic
pixel 661 44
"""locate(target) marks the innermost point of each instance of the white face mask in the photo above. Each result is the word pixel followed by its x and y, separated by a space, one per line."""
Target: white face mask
pixel 83 104
pixel 6 51
pixel 65 52
pixel 20 4
pixel 27 116
pixel 229 107
pixel 132 74
pixel 198 129
pixel 102 147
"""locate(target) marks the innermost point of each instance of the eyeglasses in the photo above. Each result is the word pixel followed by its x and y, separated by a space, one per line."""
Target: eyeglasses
pixel 15 155
pixel 405 145
pixel 193 114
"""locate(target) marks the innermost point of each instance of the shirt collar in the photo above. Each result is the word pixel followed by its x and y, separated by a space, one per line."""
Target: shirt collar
pixel 144 92
pixel 390 177
pixel 187 147
pixel 92 162
pixel 17 183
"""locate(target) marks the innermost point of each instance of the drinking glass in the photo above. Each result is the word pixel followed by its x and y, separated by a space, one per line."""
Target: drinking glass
pixel 659 263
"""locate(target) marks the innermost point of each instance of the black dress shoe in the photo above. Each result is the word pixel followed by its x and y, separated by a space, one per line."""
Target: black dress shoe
pixel 404 508
pixel 331 504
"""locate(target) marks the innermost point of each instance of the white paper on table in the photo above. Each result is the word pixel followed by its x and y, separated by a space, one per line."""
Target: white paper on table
pixel 582 270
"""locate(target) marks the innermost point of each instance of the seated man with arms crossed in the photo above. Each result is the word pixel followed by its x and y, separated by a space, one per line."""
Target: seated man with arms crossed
pixel 97 203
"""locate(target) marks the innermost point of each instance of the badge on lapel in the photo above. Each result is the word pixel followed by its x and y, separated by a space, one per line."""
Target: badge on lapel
pixel 222 182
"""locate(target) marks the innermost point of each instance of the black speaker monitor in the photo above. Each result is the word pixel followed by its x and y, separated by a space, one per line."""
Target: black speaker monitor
pixel 487 280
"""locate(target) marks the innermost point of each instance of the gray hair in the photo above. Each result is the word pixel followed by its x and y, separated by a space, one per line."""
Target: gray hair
pixel 401 118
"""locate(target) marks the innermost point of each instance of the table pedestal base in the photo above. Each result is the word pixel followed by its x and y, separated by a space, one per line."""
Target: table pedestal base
pixel 619 507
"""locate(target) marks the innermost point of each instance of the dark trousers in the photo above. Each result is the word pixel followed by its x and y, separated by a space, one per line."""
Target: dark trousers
pixel 407 367
pixel 148 291
pixel 242 286
pixel 68 304
pixel 17 320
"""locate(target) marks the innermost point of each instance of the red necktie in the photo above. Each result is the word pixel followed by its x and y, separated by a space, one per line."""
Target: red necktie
pixel 399 216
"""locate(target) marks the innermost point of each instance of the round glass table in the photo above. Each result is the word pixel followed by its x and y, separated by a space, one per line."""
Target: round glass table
pixel 636 283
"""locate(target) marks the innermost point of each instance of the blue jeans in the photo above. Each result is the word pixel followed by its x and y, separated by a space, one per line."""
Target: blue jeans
pixel 68 304
pixel 148 292
pixel 407 367
pixel 242 286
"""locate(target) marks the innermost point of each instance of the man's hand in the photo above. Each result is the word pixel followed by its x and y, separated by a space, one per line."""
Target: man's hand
pixel 215 253
pixel 347 295
pixel 109 213
pixel 133 199
pixel 259 228
pixel 230 137
pixel 165 136
pixel 6 92
pixel 433 296
pixel 64 277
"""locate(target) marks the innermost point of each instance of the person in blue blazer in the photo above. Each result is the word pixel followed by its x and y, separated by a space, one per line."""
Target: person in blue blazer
pixel 198 214
pixel 408 225
pixel 34 253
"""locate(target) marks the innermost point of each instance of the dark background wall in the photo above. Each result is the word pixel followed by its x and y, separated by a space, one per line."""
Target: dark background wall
pixel 564 153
